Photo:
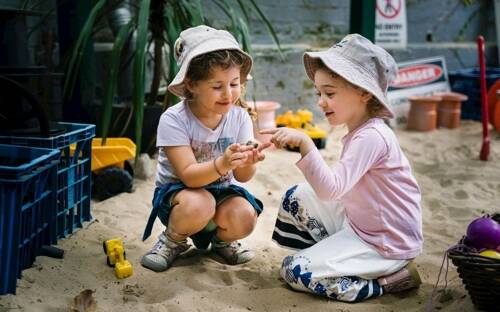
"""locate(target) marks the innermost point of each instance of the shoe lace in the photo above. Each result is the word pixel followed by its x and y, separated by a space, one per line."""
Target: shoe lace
pixel 161 247
pixel 233 246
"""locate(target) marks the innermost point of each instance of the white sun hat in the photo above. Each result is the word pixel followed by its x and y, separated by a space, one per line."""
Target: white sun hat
pixel 200 40
pixel 360 62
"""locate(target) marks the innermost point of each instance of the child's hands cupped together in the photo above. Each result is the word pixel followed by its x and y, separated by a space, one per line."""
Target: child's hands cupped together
pixel 239 155
pixel 235 155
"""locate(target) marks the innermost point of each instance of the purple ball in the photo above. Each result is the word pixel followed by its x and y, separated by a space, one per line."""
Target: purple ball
pixel 484 233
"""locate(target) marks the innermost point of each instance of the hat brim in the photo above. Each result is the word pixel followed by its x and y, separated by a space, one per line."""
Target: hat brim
pixel 351 72
pixel 177 85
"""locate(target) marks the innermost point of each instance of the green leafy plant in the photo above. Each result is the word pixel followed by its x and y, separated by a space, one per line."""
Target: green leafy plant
pixel 156 22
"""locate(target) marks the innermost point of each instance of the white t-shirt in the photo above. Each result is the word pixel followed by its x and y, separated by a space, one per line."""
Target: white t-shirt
pixel 178 126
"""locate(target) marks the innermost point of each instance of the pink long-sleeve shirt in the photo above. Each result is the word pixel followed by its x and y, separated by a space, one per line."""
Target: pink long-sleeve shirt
pixel 374 182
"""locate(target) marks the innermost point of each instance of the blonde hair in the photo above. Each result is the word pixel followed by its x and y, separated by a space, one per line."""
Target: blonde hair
pixel 374 108
pixel 201 67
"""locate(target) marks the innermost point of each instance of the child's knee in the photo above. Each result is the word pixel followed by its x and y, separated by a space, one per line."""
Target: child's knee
pixel 196 205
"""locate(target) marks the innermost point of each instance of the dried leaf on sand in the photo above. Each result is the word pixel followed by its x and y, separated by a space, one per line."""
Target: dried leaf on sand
pixel 84 302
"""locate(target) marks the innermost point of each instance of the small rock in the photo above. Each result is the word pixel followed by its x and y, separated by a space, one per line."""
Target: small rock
pixel 143 168
pixel 129 298
pixel 29 279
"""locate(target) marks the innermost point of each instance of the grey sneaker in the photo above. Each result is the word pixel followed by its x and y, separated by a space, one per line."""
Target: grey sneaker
pixel 404 279
pixel 232 253
pixel 163 253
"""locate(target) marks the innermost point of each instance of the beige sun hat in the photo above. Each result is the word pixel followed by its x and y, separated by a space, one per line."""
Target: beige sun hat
pixel 360 62
pixel 200 40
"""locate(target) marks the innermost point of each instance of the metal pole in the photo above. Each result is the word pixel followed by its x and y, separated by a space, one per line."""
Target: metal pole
pixel 362 18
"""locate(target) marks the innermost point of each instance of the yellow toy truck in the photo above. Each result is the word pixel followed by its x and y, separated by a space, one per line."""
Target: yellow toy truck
pixel 112 172
pixel 302 120
pixel 116 257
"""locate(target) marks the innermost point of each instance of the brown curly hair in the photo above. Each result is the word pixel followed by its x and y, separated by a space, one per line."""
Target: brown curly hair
pixel 374 108
pixel 201 67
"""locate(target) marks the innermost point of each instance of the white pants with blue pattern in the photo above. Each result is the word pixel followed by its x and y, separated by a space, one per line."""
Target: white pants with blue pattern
pixel 332 260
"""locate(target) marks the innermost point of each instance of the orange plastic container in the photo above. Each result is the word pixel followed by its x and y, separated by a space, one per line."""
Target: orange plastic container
pixel 449 109
pixel 423 113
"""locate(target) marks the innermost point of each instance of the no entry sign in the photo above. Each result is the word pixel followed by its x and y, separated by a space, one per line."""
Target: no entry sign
pixel 390 24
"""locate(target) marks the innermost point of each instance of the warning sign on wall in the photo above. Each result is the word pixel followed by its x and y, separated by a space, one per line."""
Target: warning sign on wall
pixel 390 24
pixel 416 77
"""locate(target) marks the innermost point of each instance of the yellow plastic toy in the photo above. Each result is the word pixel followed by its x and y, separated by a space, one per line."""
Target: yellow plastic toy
pixel 116 257
pixel 302 120
pixel 112 173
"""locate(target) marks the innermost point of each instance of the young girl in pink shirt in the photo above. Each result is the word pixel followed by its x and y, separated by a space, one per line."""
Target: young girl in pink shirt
pixel 357 224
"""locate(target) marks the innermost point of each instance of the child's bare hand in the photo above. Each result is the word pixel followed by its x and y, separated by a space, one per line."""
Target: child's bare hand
pixel 255 154
pixel 284 136
pixel 234 156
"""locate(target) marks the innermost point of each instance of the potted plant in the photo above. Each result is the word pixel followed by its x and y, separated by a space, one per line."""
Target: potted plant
pixel 157 23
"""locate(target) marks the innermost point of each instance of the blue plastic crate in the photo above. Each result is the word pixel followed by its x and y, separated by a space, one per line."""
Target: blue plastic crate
pixel 466 81
pixel 28 191
pixel 74 174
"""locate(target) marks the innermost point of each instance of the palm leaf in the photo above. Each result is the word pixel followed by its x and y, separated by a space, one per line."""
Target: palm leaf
pixel 110 86
pixel 269 27
pixel 223 6
pixel 245 36
pixel 234 24
pixel 77 54
pixel 226 8
pixel 173 31
pixel 238 26
pixel 41 21
pixel 244 10
pixel 189 15
pixel 194 12
pixel 139 67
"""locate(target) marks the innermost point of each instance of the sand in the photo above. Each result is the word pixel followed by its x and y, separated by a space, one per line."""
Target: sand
pixel 456 188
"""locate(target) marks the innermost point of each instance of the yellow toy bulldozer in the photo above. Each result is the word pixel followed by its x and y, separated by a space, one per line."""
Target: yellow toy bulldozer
pixel 117 258
pixel 302 120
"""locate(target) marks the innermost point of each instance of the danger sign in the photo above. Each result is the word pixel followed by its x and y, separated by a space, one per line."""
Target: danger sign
pixel 390 24
pixel 417 77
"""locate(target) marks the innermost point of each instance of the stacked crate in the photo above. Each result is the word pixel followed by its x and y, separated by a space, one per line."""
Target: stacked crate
pixel 45 194
pixel 28 189
pixel 73 172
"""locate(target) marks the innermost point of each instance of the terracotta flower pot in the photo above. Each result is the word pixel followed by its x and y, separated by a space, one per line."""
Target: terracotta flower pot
pixel 423 113
pixel 265 118
pixel 449 109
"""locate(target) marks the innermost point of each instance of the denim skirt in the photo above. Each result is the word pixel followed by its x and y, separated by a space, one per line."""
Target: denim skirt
pixel 162 206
